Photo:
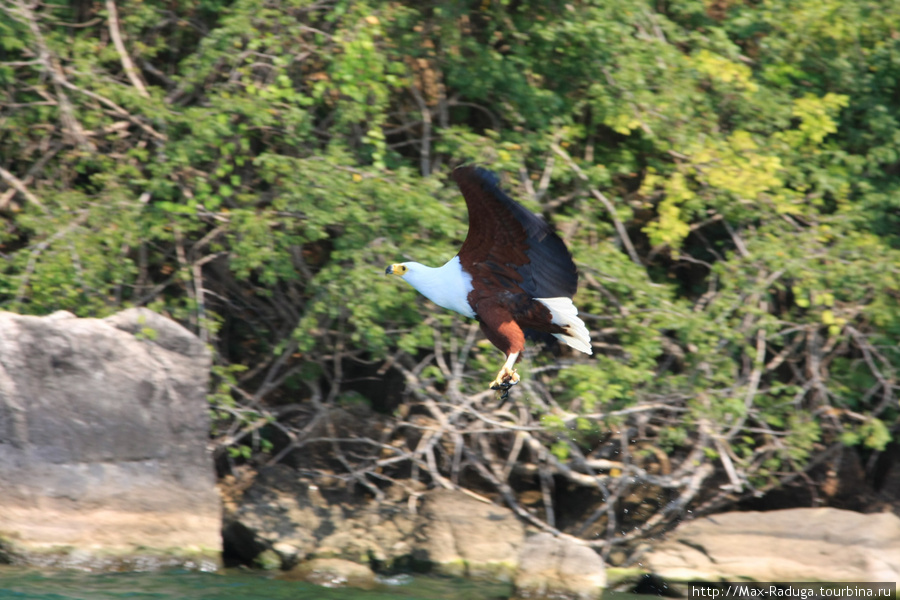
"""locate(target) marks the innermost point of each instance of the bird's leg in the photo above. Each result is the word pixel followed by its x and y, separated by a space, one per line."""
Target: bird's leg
pixel 507 377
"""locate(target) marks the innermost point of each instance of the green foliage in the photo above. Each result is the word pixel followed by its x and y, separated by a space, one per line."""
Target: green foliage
pixel 872 433
pixel 281 154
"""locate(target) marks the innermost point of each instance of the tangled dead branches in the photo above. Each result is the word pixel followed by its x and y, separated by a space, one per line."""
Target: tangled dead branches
pixel 607 478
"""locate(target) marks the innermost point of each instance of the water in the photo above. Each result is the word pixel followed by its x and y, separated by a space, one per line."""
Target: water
pixel 29 584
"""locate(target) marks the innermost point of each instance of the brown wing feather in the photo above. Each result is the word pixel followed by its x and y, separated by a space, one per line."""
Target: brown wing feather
pixel 507 245
pixel 513 257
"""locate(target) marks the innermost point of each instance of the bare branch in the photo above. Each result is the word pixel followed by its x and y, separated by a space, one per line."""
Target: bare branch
pixel 738 242
pixel 17 185
pixel 425 149
pixel 130 70
pixel 620 228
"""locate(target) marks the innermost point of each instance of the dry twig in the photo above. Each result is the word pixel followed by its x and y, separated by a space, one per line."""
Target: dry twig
pixel 130 70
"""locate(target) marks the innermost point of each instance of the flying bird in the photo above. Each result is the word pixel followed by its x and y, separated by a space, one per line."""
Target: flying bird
pixel 513 274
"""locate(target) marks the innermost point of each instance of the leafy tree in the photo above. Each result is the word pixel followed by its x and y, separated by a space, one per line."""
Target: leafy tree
pixel 723 172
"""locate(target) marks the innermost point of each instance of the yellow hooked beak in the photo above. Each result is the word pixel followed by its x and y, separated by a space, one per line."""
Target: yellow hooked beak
pixel 396 270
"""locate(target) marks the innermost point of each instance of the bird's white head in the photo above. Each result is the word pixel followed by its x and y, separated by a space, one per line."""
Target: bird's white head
pixel 399 269
pixel 421 277
pixel 446 286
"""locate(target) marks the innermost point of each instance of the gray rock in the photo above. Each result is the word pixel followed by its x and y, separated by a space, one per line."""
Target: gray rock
pixel 103 430
pixel 332 572
pixel 553 567
pixel 284 515
pixel 452 534
pixel 800 544
pixel 297 520
pixel 461 536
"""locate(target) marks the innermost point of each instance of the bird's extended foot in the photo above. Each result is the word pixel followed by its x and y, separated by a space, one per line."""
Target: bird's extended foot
pixel 505 379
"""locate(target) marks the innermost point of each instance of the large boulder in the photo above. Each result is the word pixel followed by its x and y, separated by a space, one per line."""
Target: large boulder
pixel 800 544
pixel 103 443
pixel 461 536
pixel 558 567
pixel 332 572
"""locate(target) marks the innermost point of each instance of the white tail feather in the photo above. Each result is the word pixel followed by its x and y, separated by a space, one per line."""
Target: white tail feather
pixel 564 314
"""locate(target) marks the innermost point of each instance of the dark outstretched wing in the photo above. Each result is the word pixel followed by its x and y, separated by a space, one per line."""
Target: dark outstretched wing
pixel 519 247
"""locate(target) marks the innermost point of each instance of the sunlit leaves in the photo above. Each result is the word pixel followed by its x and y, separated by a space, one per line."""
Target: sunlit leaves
pixel 872 433
pixel 738 165
pixel 817 117
pixel 669 229
pixel 751 156
pixel 720 69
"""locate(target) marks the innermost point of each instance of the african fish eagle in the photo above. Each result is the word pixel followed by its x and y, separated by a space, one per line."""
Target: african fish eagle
pixel 513 274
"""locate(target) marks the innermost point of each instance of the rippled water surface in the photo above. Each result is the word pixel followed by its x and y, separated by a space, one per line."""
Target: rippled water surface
pixel 37 585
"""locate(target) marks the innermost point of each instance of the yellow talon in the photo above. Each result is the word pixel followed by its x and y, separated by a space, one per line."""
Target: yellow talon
pixel 506 378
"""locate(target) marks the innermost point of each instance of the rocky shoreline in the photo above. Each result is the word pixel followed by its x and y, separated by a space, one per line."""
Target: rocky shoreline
pixel 286 523
pixel 282 522
pixel 105 464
